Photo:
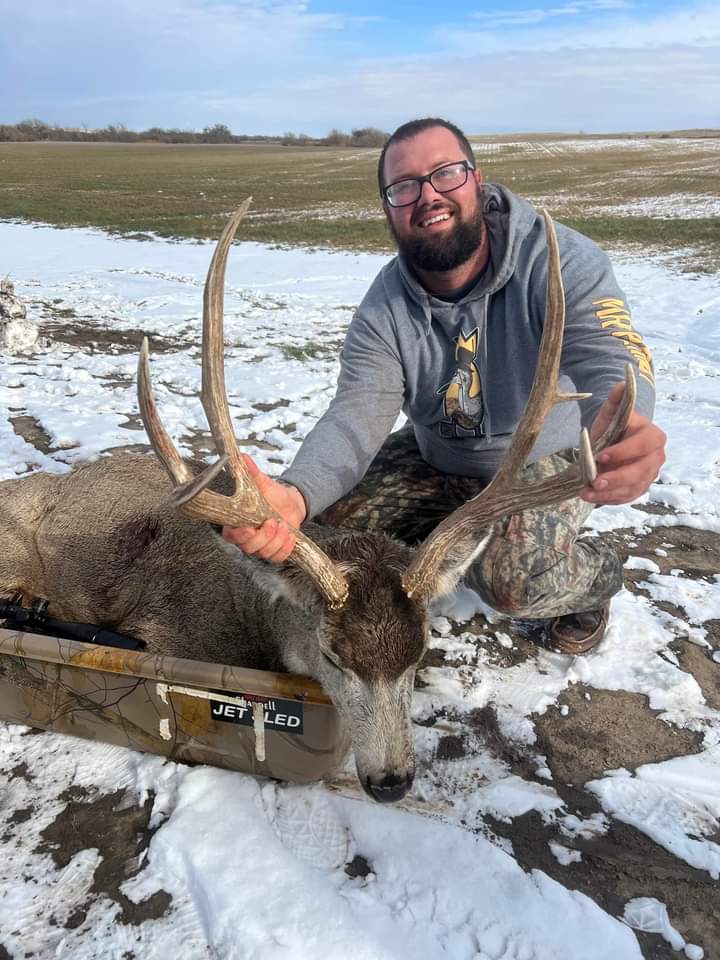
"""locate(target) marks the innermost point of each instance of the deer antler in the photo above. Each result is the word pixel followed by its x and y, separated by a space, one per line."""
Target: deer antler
pixel 247 506
pixel 504 495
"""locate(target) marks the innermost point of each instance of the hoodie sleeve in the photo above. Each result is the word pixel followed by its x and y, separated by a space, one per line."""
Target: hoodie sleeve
pixel 338 450
pixel 600 337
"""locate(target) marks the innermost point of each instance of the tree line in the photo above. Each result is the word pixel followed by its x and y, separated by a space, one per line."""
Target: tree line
pixel 358 137
pixel 31 130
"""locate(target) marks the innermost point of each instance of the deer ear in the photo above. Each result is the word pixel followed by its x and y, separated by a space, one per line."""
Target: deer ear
pixel 289 582
pixel 461 554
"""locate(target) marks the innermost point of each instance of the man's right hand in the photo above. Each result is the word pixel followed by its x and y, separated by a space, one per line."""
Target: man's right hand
pixel 273 540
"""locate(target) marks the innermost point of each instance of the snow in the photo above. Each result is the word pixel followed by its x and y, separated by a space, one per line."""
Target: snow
pixel 678 145
pixel 672 206
pixel 650 915
pixel 256 869
pixel 563 854
pixel 674 802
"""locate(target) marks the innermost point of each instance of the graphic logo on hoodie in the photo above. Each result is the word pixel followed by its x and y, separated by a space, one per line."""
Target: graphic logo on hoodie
pixel 462 396
pixel 614 316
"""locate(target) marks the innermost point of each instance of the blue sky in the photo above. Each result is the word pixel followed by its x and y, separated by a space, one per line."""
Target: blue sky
pixel 262 66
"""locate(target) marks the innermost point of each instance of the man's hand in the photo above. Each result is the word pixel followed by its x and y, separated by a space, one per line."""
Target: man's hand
pixel 273 540
pixel 628 467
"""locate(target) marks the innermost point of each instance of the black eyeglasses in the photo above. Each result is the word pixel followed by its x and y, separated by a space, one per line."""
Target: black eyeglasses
pixel 444 179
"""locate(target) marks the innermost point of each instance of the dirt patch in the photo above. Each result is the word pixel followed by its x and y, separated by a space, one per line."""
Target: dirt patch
pixel 267 407
pixel 431 658
pixel 21 815
pixel 450 747
pixel 133 422
pixel 660 509
pixel 521 760
pixel 593 737
pixel 698 662
pixel 32 432
pixel 581 746
pixel 615 868
pixel 89 336
pixel 202 446
pixel 358 867
pixel 527 637
pixel 695 552
pixel 118 828
pixel 22 771
pixel 713 632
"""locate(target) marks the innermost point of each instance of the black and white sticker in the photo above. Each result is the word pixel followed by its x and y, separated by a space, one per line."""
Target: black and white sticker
pixel 285 715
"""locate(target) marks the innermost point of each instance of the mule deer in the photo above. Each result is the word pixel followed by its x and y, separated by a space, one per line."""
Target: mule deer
pixel 108 545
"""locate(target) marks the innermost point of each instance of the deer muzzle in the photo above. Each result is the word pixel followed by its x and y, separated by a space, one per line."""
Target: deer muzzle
pixel 382 738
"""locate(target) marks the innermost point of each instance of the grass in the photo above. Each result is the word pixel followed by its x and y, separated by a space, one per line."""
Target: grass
pixel 327 196
pixel 187 191
pixel 697 241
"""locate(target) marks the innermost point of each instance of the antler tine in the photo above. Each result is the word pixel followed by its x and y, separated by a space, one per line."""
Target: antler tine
pixel 504 495
pixel 161 443
pixel 187 486
pixel 247 506
pixel 214 393
pixel 617 425
pixel 545 393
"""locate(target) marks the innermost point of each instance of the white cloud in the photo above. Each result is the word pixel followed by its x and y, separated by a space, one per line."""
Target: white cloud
pixel 617 26
pixel 533 15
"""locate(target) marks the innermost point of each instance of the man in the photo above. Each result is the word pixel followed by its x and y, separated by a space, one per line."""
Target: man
pixel 449 333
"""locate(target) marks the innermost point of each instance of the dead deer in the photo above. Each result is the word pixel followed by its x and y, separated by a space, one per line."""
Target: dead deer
pixel 106 544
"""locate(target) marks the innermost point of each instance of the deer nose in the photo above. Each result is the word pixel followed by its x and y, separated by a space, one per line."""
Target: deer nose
pixel 390 788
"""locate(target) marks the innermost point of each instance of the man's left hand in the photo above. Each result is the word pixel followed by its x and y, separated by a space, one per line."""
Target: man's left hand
pixel 628 467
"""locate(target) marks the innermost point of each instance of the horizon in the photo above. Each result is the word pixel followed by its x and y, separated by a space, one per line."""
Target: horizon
pixel 250 135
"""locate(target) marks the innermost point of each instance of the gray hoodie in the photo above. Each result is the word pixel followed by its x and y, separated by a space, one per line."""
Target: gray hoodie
pixel 462 371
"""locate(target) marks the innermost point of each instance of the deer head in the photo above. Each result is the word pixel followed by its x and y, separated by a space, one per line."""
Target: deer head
pixel 367 597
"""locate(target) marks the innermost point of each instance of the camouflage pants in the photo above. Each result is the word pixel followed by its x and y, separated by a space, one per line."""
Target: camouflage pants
pixel 534 565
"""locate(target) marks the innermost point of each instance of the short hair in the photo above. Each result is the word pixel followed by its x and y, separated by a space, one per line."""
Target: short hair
pixel 411 129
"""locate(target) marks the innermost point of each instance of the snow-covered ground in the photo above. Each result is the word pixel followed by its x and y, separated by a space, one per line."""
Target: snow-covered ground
pixel 256 869
pixel 673 206
pixel 677 145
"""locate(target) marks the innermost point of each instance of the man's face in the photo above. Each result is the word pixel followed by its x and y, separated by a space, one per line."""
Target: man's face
pixel 439 231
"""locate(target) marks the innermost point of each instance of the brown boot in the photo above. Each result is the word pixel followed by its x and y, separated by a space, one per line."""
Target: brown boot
pixel 578 632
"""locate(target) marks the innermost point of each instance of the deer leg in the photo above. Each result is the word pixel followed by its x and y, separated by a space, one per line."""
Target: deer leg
pixel 534 566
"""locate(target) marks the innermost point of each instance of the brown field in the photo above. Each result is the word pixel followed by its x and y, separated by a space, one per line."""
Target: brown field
pixel 647 190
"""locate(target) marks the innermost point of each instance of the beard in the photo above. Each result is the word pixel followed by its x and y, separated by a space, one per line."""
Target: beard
pixel 437 254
